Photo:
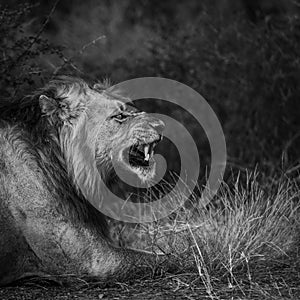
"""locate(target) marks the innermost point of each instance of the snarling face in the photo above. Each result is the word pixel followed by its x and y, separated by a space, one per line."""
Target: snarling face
pixel 127 137
pixel 103 127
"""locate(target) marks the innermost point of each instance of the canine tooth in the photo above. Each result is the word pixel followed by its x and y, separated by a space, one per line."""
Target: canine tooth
pixel 147 157
pixel 146 150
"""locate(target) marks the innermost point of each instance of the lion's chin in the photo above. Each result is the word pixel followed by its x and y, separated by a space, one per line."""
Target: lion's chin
pixel 145 174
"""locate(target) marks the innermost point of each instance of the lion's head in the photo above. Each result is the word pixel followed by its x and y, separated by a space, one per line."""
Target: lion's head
pixel 99 129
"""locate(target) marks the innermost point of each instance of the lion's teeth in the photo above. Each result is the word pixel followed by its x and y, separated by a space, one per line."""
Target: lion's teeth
pixel 146 150
pixel 147 157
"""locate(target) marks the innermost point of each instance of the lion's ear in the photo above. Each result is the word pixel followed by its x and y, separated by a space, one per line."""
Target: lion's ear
pixel 48 105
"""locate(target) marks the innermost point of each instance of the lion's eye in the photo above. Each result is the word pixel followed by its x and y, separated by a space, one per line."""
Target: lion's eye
pixel 120 117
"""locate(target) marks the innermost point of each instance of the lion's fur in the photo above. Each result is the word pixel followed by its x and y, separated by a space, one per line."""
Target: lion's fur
pixel 44 144
pixel 47 173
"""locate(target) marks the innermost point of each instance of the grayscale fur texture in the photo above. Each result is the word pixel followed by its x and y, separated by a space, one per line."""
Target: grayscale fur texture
pixel 53 146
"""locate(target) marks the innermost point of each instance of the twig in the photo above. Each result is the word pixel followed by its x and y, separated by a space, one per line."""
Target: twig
pixel 293 169
pixel 36 36
pixel 93 42
pixel 77 53
pixel 45 23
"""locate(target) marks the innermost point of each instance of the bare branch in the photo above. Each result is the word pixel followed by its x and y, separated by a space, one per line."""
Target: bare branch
pixel 77 53
pixel 36 37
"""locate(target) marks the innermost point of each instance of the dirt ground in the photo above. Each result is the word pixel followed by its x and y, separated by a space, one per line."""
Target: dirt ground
pixel 151 290
pixel 268 282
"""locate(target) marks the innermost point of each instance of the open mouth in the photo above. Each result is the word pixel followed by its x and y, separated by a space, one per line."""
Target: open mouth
pixel 141 155
pixel 138 157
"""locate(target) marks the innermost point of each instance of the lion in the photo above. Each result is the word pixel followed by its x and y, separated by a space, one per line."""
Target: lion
pixel 47 224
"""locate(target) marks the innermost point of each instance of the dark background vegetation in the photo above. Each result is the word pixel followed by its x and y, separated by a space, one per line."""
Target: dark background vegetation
pixel 242 56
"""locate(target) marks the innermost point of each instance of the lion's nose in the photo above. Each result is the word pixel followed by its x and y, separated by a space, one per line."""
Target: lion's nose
pixel 158 125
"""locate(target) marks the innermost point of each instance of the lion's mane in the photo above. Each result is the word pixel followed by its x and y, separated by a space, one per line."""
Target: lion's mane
pixel 63 150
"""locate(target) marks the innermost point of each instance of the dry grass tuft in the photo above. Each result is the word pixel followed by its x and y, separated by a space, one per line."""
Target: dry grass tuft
pixel 251 225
